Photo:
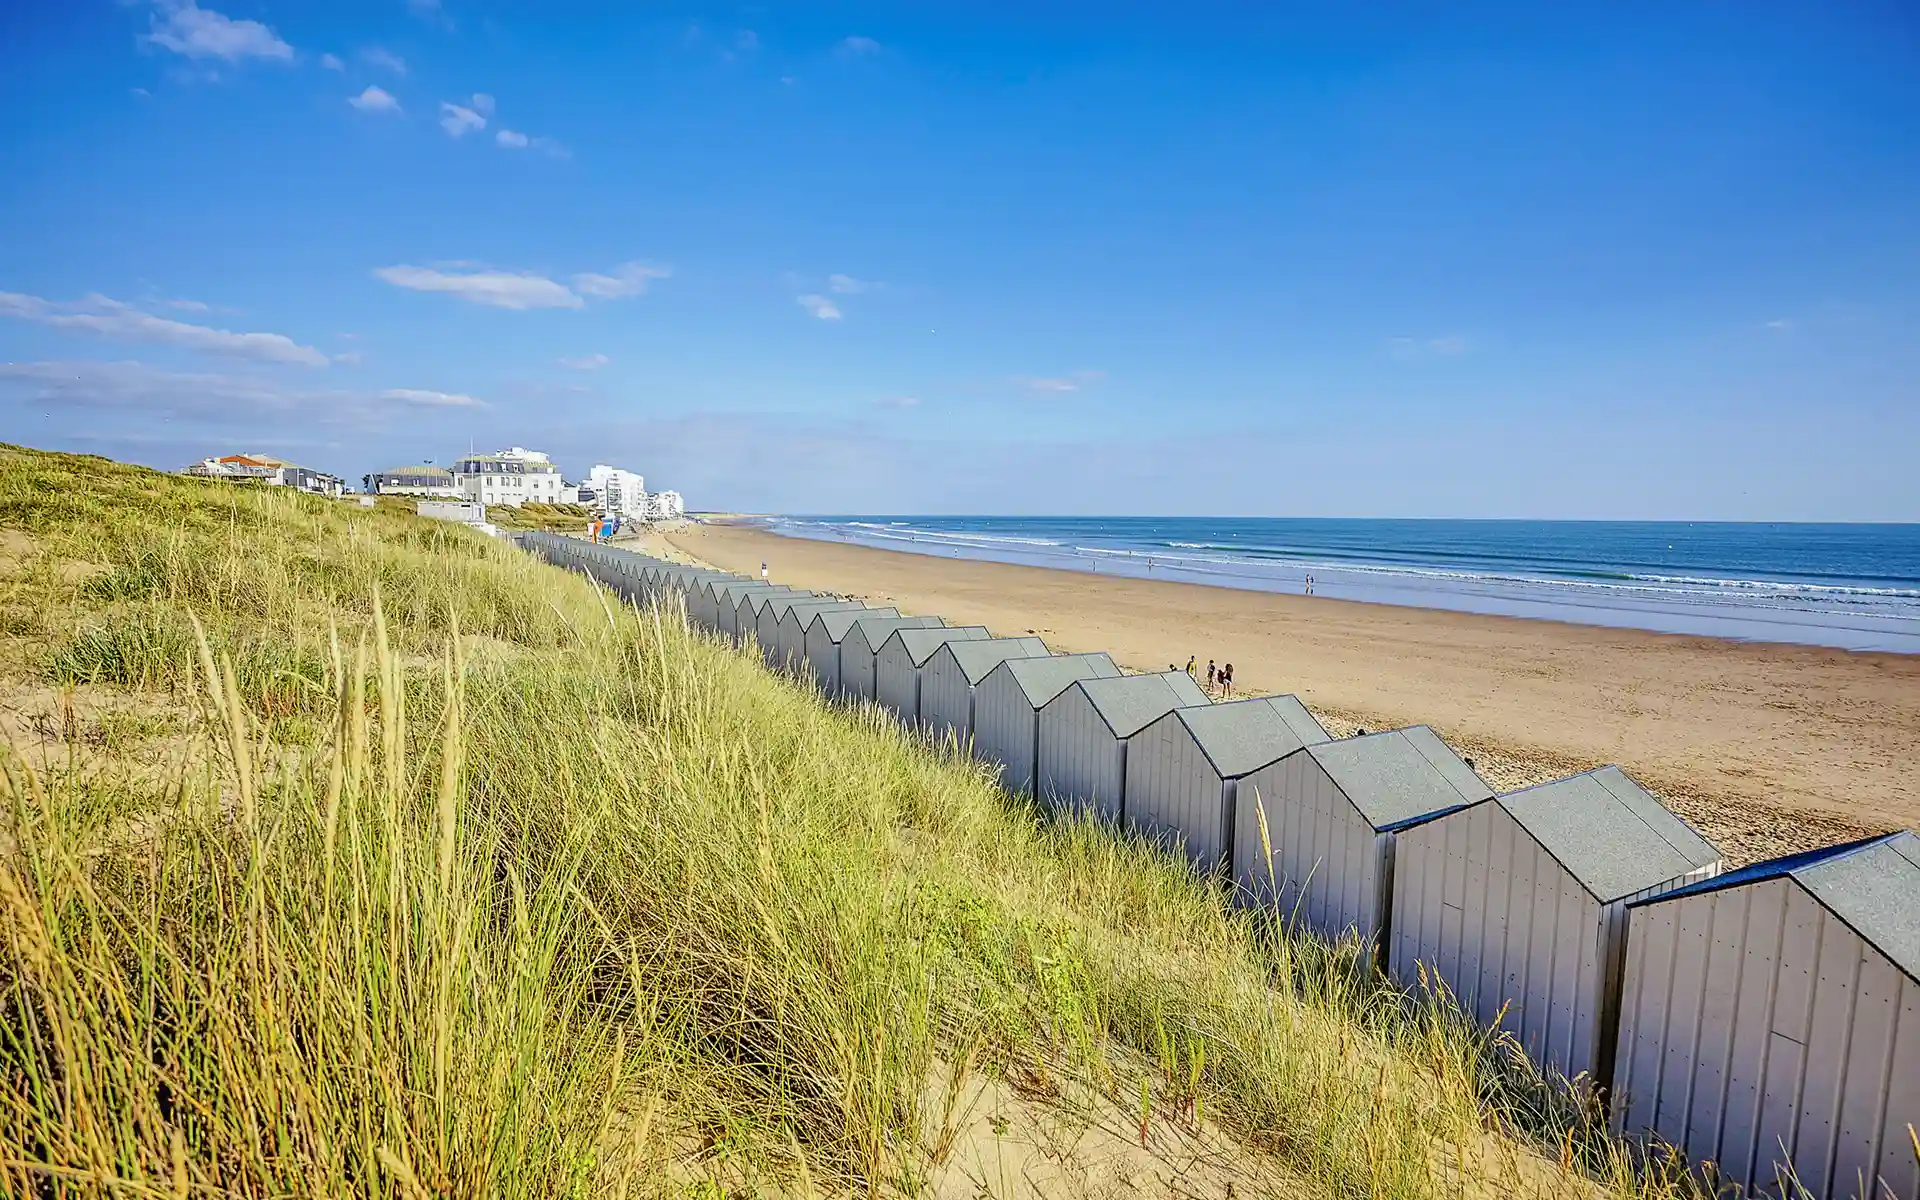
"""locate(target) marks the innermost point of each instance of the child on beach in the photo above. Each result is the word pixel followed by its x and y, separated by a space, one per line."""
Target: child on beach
pixel 1226 680
pixel 1211 675
pixel 1189 666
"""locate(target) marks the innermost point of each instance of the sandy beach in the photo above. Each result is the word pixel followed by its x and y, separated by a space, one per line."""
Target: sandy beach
pixel 1766 747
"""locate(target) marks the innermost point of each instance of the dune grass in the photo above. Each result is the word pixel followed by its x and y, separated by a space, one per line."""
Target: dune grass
pixel 462 879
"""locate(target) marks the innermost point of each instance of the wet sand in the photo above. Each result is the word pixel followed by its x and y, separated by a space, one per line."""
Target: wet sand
pixel 1765 747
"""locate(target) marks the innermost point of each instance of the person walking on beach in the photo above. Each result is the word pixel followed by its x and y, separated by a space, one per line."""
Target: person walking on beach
pixel 763 572
pixel 1226 680
pixel 1211 675
pixel 1309 585
pixel 1189 666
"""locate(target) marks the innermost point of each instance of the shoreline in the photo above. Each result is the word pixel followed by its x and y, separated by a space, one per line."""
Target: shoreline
pixel 1767 747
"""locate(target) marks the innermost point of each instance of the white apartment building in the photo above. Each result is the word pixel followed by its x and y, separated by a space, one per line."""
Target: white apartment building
pixel 665 506
pixel 619 493
pixel 433 482
pixel 513 477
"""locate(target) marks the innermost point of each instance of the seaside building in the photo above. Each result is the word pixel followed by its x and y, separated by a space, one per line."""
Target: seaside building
pixel 860 646
pixel 896 665
pixel 1007 704
pixel 1083 732
pixel 1518 904
pixel 1770 1018
pixel 666 506
pixel 425 481
pixel 512 477
pixel 618 493
pixel 1332 813
pixel 267 471
pixel 1184 769
pixel 790 645
pixel 948 680
pixel 822 643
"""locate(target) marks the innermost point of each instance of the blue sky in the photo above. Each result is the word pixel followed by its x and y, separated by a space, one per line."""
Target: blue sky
pixel 1615 261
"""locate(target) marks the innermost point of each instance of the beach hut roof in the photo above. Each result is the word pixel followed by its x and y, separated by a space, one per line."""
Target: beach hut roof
pixel 780 602
pixel 1129 703
pixel 803 610
pixel 1873 885
pixel 1609 832
pixel 839 620
pixel 1041 679
pixel 977 659
pixel 1245 735
pixel 877 626
pixel 734 589
pixel 922 643
pixel 1399 776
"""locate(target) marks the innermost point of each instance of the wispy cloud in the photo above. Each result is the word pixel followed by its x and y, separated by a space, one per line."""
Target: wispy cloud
pixel 819 306
pixel 858 45
pixel 522 290
pixel 1060 384
pixel 1450 345
pixel 422 398
pixel 332 62
pixel 747 41
pixel 379 56
pixel 512 140
pixel 459 120
pixel 185 28
pixel 1780 324
pixel 497 289
pixel 592 362
pixel 119 321
pixel 185 305
pixel 135 387
pixel 847 285
pixel 629 279
pixel 898 402
pixel 375 100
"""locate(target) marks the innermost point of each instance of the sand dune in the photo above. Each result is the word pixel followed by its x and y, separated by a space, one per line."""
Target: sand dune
pixel 1765 747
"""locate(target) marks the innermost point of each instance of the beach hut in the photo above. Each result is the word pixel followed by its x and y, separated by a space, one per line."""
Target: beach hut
pixel 791 652
pixel 1332 812
pixel 723 603
pixel 704 608
pixel 1770 1019
pixel 1007 704
pixel 753 606
pixel 860 645
pixel 735 611
pixel 767 625
pixel 1518 905
pixel 897 664
pixel 1184 769
pixel 948 680
pixel 822 643
pixel 1082 733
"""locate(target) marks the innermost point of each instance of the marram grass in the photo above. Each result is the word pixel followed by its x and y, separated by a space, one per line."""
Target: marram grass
pixel 457 878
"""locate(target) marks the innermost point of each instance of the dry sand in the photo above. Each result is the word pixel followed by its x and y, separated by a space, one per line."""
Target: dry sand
pixel 1767 748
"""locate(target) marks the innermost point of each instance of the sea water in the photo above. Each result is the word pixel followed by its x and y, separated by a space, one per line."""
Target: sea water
pixel 1850 586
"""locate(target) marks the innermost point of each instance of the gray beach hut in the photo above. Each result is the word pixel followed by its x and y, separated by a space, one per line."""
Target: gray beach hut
pixel 1184 769
pixel 739 622
pixel 897 664
pixel 1083 732
pixel 948 680
pixel 753 606
pixel 705 607
pixel 1007 704
pixel 1770 1018
pixel 860 645
pixel 725 603
pixel 791 651
pixel 1518 905
pixel 767 625
pixel 822 643
pixel 1333 812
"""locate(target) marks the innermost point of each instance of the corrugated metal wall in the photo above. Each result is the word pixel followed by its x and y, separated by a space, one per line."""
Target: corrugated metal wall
pixel 1174 796
pixel 856 665
pixel 946 698
pixel 1504 926
pixel 823 659
pixel 1004 729
pixel 1758 1028
pixel 1081 762
pixel 896 682
pixel 1327 868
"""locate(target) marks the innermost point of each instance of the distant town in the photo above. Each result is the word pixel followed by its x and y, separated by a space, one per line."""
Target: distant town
pixel 512 477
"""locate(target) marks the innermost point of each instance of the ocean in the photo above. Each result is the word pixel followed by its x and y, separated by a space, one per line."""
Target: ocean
pixel 1851 586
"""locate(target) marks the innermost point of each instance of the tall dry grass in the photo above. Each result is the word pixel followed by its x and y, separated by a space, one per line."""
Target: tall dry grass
pixel 468 881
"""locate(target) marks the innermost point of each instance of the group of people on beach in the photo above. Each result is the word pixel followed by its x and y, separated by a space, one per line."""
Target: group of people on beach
pixel 1219 679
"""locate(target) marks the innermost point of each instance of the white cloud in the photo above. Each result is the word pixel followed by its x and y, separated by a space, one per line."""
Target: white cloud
pixel 899 402
pixel 143 93
pixel 859 45
pixel 592 362
pixel 189 305
pixel 379 56
pixel 1780 324
pixel 114 319
pixel 547 145
pixel 498 289
pixel 458 120
pixel 847 285
pixel 629 279
pixel 332 62
pixel 185 28
pixel 421 398
pixel 1060 384
pixel 510 140
pixel 819 306
pixel 483 104
pixel 375 100
pixel 350 358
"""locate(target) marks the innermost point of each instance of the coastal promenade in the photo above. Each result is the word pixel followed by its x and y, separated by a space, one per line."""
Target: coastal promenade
pixel 1766 748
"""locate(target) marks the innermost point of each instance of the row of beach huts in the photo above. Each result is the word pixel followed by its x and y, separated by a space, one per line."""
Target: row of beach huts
pixel 1764 1020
